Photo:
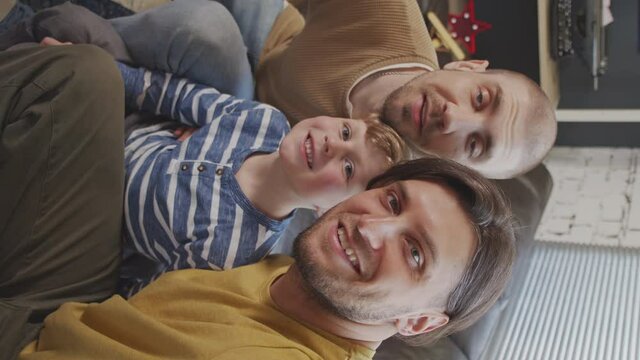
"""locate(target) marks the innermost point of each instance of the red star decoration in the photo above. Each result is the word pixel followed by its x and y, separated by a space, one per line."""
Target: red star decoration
pixel 465 26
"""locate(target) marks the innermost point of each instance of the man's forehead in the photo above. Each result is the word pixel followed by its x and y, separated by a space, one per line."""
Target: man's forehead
pixel 507 131
pixel 451 237
pixel 509 122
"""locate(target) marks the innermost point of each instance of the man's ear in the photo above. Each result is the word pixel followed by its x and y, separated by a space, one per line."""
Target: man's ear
pixel 468 65
pixel 420 323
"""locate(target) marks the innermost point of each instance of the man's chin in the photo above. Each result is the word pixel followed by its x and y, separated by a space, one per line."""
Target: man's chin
pixel 387 115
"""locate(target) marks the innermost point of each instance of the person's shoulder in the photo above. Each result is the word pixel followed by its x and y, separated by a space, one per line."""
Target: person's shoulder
pixel 272 120
pixel 276 120
pixel 379 6
pixel 280 120
pixel 255 108
pixel 275 114
pixel 266 353
pixel 278 260
pixel 274 264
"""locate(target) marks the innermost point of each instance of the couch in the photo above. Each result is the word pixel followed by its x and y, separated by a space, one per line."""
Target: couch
pixel 528 195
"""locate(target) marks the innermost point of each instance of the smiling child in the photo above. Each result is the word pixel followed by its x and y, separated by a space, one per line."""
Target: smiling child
pixel 222 197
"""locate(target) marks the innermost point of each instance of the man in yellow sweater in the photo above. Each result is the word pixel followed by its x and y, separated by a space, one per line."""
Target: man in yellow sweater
pixel 356 58
pixel 424 252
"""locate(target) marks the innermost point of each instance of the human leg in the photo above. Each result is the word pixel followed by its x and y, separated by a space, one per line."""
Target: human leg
pixel 196 39
pixel 67 22
pixel 61 182
pixel 255 19
pixel 12 12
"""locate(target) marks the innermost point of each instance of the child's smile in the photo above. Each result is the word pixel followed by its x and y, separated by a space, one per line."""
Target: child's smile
pixel 307 151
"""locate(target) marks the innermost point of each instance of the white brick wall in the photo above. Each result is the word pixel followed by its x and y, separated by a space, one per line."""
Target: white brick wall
pixel 596 197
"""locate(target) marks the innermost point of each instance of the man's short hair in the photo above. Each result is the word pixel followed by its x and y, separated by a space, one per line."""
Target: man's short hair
pixel 540 122
pixel 487 273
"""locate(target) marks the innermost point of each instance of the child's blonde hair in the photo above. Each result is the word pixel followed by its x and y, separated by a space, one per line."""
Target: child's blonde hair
pixel 383 137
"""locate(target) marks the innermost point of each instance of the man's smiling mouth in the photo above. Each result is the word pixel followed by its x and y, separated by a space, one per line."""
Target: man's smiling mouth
pixel 423 113
pixel 349 252
pixel 419 111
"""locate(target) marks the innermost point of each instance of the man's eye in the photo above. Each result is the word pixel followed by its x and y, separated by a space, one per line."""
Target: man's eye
pixel 479 98
pixel 394 204
pixel 348 169
pixel 346 132
pixel 475 149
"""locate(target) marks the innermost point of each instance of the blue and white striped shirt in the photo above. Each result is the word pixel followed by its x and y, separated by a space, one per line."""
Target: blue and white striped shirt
pixel 183 205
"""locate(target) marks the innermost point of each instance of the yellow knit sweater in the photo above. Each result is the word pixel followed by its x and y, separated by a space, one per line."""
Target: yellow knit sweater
pixel 191 314
pixel 308 69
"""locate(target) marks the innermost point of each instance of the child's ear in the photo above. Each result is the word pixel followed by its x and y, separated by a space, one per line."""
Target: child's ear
pixel 420 323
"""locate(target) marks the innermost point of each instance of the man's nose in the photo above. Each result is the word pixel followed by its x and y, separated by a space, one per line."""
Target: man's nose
pixel 376 230
pixel 456 119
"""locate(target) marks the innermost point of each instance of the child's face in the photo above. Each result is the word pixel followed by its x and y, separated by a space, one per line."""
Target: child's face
pixel 328 159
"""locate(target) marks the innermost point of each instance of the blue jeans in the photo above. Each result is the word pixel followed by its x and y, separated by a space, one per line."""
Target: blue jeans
pixel 18 12
pixel 216 43
pixel 255 19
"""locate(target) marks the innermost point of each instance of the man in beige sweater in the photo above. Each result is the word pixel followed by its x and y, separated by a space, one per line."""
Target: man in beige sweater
pixel 353 58
pixel 361 57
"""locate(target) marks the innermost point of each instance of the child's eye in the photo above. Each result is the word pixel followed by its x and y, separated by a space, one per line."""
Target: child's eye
pixel 394 204
pixel 348 169
pixel 346 132
pixel 415 255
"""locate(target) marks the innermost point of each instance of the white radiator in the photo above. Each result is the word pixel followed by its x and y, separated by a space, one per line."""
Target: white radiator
pixel 577 302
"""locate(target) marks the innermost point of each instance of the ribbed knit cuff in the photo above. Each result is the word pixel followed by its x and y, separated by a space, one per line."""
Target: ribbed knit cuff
pixel 133 84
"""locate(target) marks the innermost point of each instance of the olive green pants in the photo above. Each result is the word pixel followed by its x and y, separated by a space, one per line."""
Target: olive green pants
pixel 61 183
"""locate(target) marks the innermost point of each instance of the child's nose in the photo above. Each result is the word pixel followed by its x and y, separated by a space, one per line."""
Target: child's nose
pixel 334 148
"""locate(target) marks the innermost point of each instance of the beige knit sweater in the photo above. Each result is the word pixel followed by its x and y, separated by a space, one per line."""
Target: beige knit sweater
pixel 308 69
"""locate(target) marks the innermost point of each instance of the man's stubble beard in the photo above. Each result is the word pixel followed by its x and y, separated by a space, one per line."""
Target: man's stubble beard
pixel 386 116
pixel 340 298
pixel 418 146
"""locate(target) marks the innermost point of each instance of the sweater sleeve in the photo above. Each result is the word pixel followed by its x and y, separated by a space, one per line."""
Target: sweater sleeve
pixel 180 99
pixel 341 43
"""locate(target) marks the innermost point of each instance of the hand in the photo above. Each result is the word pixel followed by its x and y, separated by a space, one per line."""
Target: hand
pixel 183 133
pixel 49 41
